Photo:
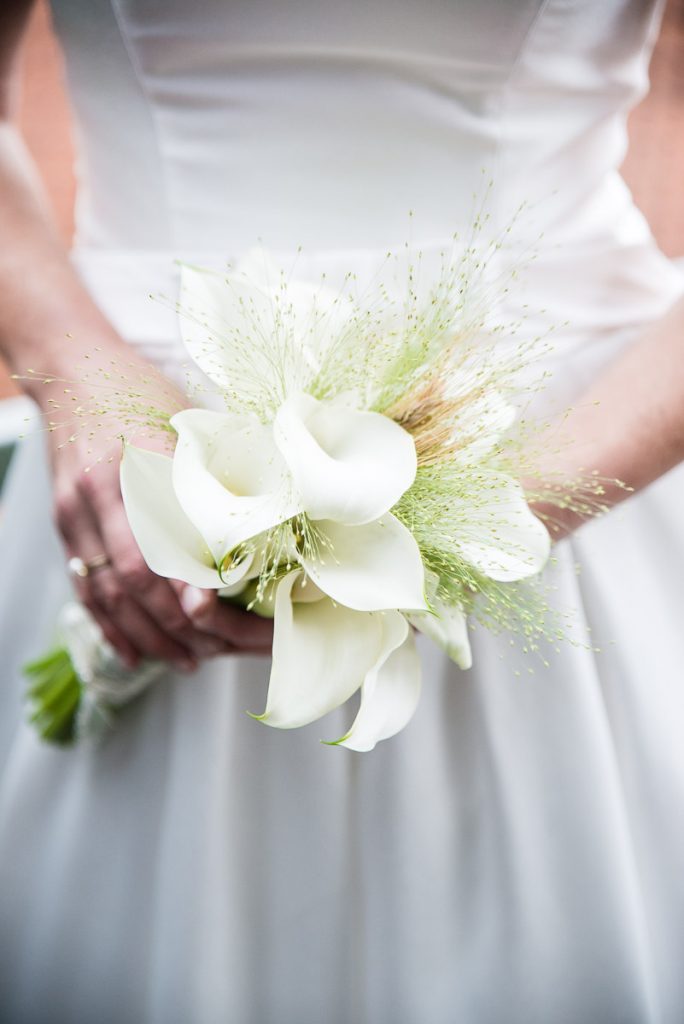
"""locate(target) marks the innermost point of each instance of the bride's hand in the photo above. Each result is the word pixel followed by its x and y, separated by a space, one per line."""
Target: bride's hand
pixel 141 614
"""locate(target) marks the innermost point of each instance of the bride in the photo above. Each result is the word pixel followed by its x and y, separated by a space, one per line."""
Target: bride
pixel 515 855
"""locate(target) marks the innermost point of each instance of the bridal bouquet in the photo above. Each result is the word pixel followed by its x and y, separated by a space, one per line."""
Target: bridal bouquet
pixel 348 469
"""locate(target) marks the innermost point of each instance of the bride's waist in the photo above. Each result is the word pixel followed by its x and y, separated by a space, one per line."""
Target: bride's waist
pixel 590 287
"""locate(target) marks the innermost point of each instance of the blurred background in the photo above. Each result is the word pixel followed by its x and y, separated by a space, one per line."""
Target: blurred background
pixel 654 168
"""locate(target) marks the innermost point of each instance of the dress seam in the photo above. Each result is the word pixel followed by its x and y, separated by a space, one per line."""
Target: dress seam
pixel 154 118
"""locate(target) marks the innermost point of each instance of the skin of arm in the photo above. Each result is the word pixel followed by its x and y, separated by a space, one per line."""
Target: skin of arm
pixel 49 322
pixel 629 426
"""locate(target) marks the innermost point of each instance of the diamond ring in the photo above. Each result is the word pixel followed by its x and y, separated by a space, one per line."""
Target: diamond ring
pixel 77 567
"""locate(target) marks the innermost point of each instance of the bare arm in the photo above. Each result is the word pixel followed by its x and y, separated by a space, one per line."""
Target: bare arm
pixel 42 301
pixel 42 298
pixel 630 425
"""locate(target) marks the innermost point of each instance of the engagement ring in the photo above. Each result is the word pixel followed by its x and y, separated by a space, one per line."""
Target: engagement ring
pixel 77 567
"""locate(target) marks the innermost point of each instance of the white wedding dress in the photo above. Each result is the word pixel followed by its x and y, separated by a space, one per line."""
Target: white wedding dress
pixel 517 854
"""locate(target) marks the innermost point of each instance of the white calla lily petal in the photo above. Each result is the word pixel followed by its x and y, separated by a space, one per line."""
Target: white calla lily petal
pixel 481 425
pixel 448 627
pixel 502 537
pixel 221 314
pixel 229 477
pixel 316 313
pixel 347 465
pixel 169 542
pixel 321 655
pixel 390 691
pixel 319 317
pixel 369 568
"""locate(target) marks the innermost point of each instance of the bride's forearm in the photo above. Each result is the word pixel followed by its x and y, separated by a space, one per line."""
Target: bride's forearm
pixel 48 322
pixel 629 426
pixel 47 319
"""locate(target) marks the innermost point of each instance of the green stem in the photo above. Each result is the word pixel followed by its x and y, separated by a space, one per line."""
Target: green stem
pixel 55 695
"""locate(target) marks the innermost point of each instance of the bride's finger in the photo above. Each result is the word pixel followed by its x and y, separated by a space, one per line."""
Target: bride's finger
pixel 124 623
pixel 134 622
pixel 84 543
pixel 82 540
pixel 143 604
pixel 154 594
pixel 112 634
pixel 247 632
pixel 205 645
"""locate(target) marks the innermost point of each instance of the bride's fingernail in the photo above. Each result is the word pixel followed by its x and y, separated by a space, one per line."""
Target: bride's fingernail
pixel 192 599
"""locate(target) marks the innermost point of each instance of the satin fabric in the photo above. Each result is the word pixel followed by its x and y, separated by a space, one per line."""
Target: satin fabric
pixel 515 855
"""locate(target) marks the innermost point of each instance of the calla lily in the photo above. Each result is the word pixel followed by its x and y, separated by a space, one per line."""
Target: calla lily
pixel 366 568
pixel 342 467
pixel 447 625
pixel 369 568
pixel 230 478
pixel 482 424
pixel 225 312
pixel 236 478
pixel 217 308
pixel 348 466
pixel 498 534
pixel 501 537
pixel 314 313
pixel 323 653
pixel 390 690
pixel 169 542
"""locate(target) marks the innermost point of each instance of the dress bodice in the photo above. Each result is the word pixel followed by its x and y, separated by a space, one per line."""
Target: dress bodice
pixel 323 123
pixel 209 127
